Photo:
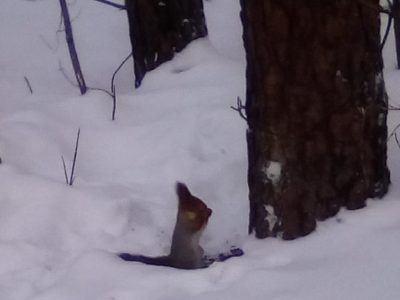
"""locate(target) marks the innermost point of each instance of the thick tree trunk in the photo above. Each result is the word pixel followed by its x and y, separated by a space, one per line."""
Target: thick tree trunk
pixel 316 108
pixel 159 28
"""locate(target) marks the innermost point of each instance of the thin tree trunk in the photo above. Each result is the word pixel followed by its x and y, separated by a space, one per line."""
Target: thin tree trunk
pixel 71 47
pixel 160 28
pixel 396 25
pixel 316 108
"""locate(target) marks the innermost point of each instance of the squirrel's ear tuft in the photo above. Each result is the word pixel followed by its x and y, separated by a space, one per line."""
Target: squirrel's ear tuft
pixel 182 191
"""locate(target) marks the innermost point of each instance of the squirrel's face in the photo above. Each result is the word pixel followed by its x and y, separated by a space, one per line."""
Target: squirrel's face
pixel 196 216
pixel 193 211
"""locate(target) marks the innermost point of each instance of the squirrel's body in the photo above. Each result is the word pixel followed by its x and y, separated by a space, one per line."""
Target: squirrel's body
pixel 191 221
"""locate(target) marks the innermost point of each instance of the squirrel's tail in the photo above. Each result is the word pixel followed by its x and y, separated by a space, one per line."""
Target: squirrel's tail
pixel 156 261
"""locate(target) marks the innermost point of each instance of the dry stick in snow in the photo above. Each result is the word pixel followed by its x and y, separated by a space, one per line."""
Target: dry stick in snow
pixel 71 47
pixel 70 181
pixel 114 95
pixel 120 6
pixel 397 140
pixel 65 170
pixel 28 84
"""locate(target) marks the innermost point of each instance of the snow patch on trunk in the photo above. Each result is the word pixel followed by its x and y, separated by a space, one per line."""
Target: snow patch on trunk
pixel 271 217
pixel 272 171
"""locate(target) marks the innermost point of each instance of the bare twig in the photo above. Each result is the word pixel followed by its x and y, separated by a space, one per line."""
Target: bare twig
pixel 65 170
pixel 240 108
pixel 114 95
pixel 385 36
pixel 71 179
pixel 47 44
pixel 65 75
pixel 397 140
pixel 120 6
pixel 28 84
pixel 393 132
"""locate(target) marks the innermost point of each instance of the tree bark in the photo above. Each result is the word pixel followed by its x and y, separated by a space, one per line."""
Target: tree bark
pixel 159 28
pixel 316 109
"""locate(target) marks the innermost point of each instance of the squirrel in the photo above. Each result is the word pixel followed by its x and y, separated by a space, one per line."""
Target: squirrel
pixel 186 252
pixel 191 220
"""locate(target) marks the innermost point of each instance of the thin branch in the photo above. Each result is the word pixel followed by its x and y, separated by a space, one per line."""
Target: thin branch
pixel 65 75
pixel 113 85
pixel 397 140
pixel 71 179
pixel 112 94
pixel 393 132
pixel 120 6
pixel 47 44
pixel 28 84
pixel 101 90
pixel 240 108
pixel 65 170
pixel 385 36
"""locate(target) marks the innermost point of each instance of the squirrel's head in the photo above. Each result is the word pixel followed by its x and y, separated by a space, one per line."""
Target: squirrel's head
pixel 192 211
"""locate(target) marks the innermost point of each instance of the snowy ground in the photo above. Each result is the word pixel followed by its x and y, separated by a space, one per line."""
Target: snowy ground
pixel 57 242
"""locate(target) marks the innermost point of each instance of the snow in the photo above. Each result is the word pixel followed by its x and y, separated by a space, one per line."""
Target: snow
pixel 271 217
pixel 59 242
pixel 272 171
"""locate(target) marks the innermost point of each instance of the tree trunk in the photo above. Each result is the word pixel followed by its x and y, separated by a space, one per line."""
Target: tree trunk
pixel 159 28
pixel 71 47
pixel 316 108
pixel 396 25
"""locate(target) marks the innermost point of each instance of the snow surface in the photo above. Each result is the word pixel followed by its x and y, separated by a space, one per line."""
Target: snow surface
pixel 58 242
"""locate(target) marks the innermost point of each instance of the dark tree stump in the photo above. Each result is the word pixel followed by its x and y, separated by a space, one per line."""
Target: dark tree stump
pixel 160 28
pixel 316 109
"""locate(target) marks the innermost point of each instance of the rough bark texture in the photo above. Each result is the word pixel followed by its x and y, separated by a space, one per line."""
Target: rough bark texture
pixel 159 28
pixel 316 108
